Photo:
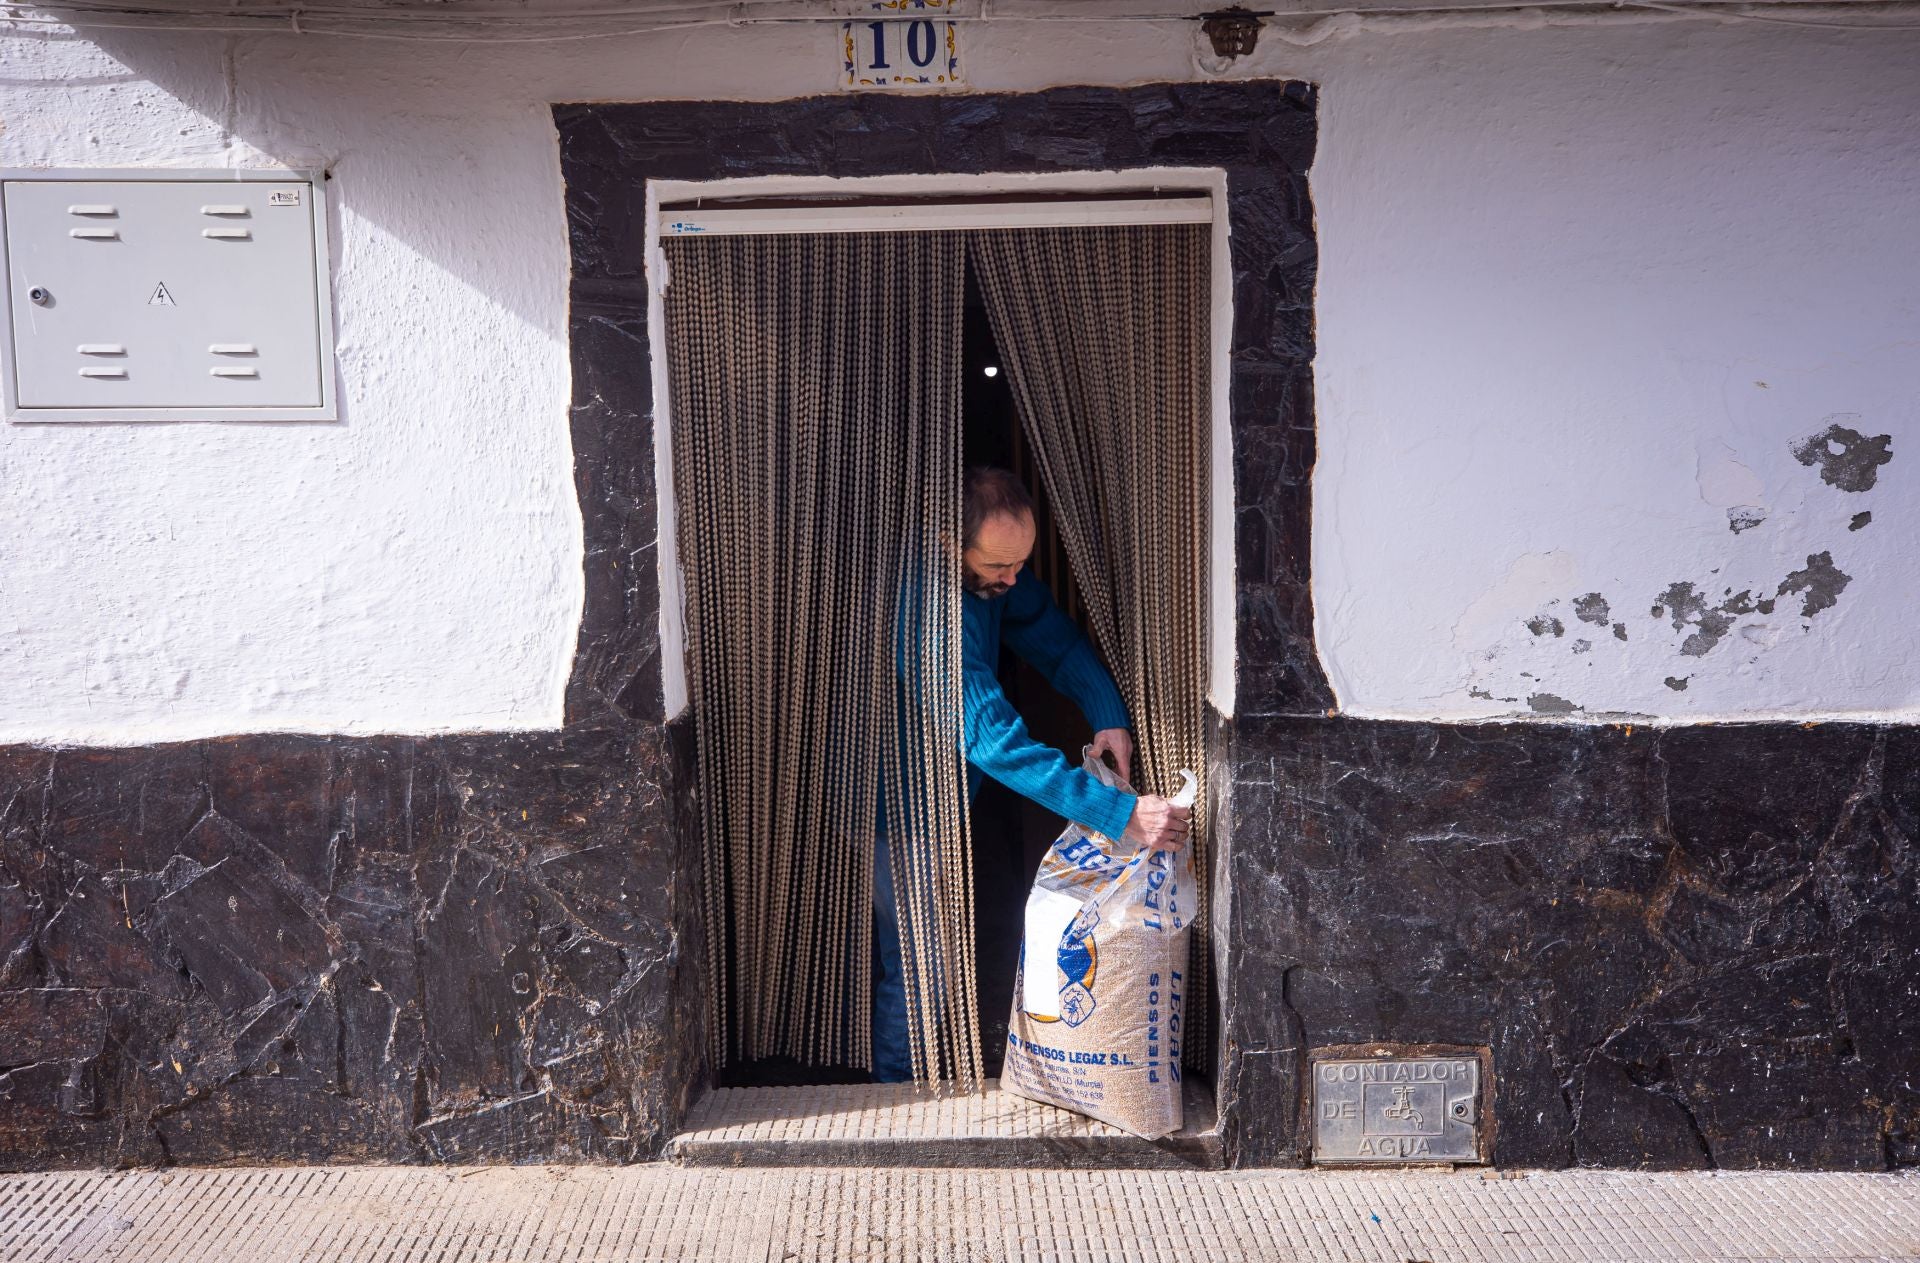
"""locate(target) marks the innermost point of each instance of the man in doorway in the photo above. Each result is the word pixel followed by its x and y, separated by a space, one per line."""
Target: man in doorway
pixel 1006 604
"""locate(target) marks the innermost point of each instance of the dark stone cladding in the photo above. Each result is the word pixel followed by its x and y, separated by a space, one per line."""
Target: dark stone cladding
pixel 292 949
pixel 1686 947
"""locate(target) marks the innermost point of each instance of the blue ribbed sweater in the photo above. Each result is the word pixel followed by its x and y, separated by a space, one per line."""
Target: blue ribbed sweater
pixel 998 744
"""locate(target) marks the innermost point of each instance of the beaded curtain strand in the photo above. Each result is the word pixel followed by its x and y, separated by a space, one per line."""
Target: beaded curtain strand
pixel 1105 333
pixel 816 448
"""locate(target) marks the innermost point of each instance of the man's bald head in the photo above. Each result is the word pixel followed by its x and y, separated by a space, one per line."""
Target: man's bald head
pixel 998 521
pixel 992 492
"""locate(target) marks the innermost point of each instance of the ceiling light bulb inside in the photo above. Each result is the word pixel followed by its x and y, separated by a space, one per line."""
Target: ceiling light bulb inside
pixel 992 370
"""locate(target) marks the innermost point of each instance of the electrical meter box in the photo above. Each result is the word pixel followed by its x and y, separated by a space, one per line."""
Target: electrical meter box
pixel 167 296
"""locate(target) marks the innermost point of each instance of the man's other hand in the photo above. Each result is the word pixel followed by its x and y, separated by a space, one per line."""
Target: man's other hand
pixel 1158 825
pixel 1119 743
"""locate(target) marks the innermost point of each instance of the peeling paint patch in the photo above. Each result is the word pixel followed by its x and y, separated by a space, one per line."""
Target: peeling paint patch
pixel 1702 642
pixel 1847 458
pixel 1701 617
pixel 1688 608
pixel 1821 581
pixel 1744 517
pixel 1859 520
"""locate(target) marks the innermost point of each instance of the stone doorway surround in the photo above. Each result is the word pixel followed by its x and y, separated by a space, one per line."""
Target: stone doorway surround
pixel 621 161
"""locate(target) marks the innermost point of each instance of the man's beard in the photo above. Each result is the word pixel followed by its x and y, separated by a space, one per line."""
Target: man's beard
pixel 981 588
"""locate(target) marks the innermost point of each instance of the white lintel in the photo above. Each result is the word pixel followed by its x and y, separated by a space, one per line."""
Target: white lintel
pixel 938 217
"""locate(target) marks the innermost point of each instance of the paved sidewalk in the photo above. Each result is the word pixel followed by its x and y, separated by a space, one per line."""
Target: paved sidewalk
pixel 511 1214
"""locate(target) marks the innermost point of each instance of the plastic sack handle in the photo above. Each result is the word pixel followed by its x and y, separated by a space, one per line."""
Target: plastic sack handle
pixel 1097 767
pixel 1189 786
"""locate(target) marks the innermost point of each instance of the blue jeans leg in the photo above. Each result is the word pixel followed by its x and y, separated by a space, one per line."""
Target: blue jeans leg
pixel 892 1049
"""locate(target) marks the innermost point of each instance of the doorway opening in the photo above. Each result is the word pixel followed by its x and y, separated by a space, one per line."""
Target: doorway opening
pixel 1010 832
pixel 793 424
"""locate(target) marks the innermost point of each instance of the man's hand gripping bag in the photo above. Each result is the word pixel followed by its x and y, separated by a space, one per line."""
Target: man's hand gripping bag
pixel 1098 1017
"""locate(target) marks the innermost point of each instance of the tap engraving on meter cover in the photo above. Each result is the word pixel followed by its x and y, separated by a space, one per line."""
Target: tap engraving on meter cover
pixel 1396 1110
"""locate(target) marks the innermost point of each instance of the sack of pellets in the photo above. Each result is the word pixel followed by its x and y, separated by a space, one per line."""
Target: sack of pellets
pixel 1097 1003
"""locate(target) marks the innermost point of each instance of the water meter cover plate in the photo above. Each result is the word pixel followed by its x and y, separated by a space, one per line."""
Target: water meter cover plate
pixel 1396 1110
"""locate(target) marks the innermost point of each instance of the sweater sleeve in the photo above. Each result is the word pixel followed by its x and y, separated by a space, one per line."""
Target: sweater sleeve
pixel 1041 633
pixel 999 745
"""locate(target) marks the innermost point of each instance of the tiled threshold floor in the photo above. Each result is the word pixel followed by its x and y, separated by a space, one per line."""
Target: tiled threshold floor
pixel 679 1214
pixel 870 1125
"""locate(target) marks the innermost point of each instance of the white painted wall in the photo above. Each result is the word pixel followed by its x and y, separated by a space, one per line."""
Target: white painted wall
pixel 1580 293
pixel 414 568
pixel 1555 262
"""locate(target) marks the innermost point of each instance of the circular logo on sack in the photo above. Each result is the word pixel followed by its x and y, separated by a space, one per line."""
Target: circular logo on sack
pixel 1079 960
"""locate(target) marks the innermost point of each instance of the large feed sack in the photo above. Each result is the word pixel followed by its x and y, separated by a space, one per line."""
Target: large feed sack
pixel 1098 1000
